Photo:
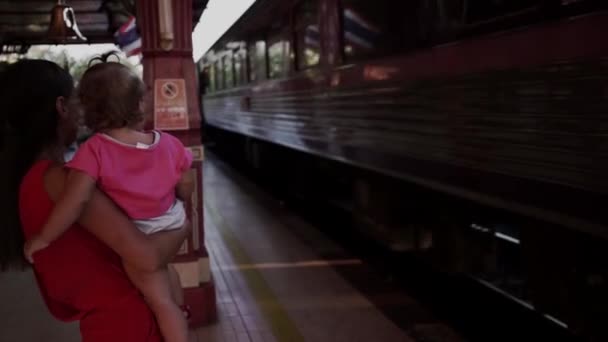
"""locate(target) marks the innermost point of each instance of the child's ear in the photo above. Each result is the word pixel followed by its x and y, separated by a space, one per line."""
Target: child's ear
pixel 142 105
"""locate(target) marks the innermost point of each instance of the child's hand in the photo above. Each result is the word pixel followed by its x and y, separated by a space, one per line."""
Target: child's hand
pixel 32 246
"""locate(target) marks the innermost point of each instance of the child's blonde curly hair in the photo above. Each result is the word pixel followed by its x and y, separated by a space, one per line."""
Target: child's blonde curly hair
pixel 111 95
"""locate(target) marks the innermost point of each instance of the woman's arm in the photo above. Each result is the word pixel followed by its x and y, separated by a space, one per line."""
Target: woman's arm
pixel 109 224
pixel 78 190
pixel 102 218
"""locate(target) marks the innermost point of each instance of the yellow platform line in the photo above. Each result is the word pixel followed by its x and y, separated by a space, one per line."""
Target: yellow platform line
pixel 283 328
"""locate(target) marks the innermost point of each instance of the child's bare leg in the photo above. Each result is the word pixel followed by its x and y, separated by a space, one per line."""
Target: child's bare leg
pixel 156 288
pixel 176 286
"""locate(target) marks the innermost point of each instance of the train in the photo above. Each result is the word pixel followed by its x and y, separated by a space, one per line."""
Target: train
pixel 423 116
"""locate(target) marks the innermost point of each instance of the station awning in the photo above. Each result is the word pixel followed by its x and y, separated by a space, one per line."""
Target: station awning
pixel 25 22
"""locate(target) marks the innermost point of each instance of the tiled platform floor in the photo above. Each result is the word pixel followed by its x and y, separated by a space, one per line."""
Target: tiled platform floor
pixel 277 279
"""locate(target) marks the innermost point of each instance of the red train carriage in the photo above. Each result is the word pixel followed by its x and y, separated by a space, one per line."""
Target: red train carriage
pixel 500 103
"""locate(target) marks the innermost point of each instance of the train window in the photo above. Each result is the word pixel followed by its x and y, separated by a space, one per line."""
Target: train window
pixel 481 10
pixel 240 67
pixel 307 34
pixel 279 56
pixel 372 28
pixel 218 71
pixel 212 85
pixel 228 71
pixel 257 60
pixel 456 16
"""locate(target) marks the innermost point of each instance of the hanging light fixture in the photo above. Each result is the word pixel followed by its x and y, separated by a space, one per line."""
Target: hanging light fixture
pixel 63 27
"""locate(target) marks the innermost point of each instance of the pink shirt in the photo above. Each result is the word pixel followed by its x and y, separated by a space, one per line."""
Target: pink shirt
pixel 140 180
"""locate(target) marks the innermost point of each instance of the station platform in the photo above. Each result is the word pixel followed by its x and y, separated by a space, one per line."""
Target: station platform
pixel 277 278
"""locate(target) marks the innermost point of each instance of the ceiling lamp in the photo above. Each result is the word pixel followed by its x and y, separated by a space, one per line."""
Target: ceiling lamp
pixel 63 27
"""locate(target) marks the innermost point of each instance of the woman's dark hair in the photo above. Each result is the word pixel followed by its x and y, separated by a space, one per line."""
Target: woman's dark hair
pixel 28 121
pixel 110 94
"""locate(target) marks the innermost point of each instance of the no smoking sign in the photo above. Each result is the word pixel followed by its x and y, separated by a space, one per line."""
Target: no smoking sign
pixel 170 105
pixel 170 90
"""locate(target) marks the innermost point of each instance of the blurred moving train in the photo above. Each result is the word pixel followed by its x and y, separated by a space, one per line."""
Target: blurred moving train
pixel 436 122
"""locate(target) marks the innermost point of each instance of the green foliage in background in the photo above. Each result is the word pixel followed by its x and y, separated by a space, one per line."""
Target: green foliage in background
pixel 76 67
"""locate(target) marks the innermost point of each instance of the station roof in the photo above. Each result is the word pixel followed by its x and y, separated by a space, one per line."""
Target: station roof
pixel 25 22
pixel 257 20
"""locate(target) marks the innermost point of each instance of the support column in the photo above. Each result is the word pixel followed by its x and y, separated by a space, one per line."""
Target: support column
pixel 167 62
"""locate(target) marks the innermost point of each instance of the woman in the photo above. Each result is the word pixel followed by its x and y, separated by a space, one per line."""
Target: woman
pixel 80 276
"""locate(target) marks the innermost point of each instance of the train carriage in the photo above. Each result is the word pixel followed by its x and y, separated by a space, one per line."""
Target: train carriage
pixel 501 104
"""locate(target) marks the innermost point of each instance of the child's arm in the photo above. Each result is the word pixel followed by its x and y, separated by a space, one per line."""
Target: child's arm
pixel 78 191
pixel 185 186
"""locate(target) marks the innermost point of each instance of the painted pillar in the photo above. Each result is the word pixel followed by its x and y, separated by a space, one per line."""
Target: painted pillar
pixel 170 74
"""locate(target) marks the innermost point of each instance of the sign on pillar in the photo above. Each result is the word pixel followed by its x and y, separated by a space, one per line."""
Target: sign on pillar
pixel 170 105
